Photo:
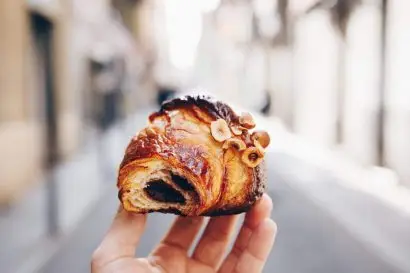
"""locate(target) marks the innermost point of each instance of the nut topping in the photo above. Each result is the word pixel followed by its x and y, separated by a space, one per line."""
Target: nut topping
pixel 142 133
pixel 247 121
pixel 237 130
pixel 234 143
pixel 260 138
pixel 252 157
pixel 150 132
pixel 220 130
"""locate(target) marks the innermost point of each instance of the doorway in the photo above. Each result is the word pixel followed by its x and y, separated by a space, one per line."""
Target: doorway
pixel 42 37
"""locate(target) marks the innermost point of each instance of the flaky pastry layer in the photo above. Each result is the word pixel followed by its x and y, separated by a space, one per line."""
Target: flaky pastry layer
pixel 177 164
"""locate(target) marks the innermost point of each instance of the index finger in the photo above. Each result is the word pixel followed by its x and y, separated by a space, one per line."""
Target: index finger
pixel 122 238
pixel 254 241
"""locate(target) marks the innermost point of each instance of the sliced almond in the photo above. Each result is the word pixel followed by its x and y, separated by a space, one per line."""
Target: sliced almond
pixel 237 130
pixel 252 157
pixel 151 132
pixel 235 143
pixel 220 130
pixel 247 121
pixel 160 123
pixel 261 138
pixel 142 133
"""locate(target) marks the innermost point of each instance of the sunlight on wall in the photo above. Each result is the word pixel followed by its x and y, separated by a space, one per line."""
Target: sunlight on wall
pixel 183 22
pixel 315 77
pixel 397 89
pixel 297 7
pixel 362 84
pixel 269 22
pixel 208 5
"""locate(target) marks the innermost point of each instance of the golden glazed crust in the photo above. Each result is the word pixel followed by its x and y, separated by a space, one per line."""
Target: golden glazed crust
pixel 176 165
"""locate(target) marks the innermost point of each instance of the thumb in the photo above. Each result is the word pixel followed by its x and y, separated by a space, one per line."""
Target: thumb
pixel 122 237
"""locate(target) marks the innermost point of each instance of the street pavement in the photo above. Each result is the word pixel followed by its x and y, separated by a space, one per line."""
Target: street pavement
pixel 310 240
pixel 323 226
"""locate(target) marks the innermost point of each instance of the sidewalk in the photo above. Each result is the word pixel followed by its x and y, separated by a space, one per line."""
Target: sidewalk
pixel 384 231
pixel 367 201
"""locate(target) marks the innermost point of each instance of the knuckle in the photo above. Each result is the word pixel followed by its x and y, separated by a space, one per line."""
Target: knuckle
pixel 236 251
pixel 97 258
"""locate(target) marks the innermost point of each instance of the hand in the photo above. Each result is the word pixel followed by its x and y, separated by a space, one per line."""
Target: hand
pixel 248 255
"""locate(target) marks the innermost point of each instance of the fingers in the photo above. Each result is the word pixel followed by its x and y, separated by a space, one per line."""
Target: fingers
pixel 182 233
pixel 256 226
pixel 260 211
pixel 214 241
pixel 122 237
pixel 254 257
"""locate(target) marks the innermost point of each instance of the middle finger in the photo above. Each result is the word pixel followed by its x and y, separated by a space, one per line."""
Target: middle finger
pixel 215 240
pixel 182 233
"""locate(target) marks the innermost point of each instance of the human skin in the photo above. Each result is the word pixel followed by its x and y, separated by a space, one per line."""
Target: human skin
pixel 249 253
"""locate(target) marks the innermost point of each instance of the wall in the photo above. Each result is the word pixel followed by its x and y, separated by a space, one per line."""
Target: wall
pixel 362 85
pixel 20 136
pixel 315 64
pixel 398 90
pixel 79 28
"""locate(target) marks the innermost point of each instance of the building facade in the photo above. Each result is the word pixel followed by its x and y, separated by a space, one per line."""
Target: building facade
pixel 47 96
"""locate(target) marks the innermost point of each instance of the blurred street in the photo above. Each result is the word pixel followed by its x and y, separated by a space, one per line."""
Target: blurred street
pixel 327 79
pixel 310 240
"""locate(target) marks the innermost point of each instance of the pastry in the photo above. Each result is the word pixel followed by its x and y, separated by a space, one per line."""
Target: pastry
pixel 195 157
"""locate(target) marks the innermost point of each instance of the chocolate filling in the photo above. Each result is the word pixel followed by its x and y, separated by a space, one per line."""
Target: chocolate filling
pixel 183 183
pixel 159 191
pixel 253 157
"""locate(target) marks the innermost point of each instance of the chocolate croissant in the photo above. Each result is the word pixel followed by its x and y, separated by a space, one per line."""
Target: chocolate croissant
pixel 196 157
